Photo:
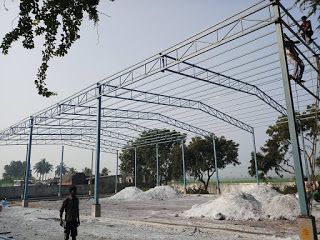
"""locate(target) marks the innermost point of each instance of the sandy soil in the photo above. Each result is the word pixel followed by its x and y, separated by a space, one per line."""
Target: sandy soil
pixel 138 220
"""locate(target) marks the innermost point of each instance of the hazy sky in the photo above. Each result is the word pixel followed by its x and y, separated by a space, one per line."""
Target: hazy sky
pixel 134 31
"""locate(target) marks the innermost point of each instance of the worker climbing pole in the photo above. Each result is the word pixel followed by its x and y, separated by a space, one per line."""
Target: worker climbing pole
pixel 306 222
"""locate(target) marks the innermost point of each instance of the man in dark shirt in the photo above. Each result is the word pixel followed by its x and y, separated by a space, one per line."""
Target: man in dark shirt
pixel 307 31
pixel 72 221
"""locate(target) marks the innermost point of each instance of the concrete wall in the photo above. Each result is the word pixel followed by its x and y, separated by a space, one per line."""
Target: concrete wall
pixel 50 191
pixel 232 187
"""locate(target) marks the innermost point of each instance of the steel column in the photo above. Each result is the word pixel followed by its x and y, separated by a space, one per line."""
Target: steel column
pixel 157 160
pixel 317 115
pixel 255 156
pixel 183 168
pixel 117 169
pixel 27 172
pixel 216 163
pixel 305 158
pixel 91 173
pixel 304 210
pixel 135 167
pixel 97 168
pixel 61 166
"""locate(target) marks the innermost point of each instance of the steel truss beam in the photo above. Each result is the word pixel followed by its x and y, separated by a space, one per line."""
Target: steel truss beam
pixel 85 127
pixel 76 134
pixel 216 78
pixel 161 99
pixel 88 142
pixel 138 115
pixel 39 142
pixel 250 20
pixel 157 135
pixel 116 113
pixel 89 123
pixel 52 131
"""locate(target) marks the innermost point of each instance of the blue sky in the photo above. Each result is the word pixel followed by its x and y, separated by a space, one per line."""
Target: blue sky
pixel 134 31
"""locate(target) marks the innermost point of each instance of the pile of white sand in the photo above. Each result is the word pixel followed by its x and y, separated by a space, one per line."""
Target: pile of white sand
pixel 159 193
pixel 260 202
pixel 263 193
pixel 135 194
pixel 230 206
pixel 282 207
pixel 128 194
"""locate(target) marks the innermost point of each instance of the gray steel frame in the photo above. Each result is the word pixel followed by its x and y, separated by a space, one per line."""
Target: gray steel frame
pixel 226 31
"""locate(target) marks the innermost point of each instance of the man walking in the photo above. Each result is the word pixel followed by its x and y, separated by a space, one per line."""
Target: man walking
pixel 71 208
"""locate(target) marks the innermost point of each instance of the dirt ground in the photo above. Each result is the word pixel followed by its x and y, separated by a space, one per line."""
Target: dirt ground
pixel 138 220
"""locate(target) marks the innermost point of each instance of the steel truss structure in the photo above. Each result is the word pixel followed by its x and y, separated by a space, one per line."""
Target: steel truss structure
pixel 203 86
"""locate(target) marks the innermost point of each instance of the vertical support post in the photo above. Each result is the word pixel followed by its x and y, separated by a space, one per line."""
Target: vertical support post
pixel 135 167
pixel 216 163
pixel 317 115
pixel 91 173
pixel 61 167
pixel 183 168
pixel 28 160
pixel 157 160
pixel 304 210
pixel 306 165
pixel 117 173
pixel 96 206
pixel 255 156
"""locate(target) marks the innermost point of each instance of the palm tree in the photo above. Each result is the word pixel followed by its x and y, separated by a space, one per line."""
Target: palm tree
pixel 64 170
pixel 42 167
pixel 39 169
pixel 48 167
pixel 86 171
pixel 72 170
pixel 105 171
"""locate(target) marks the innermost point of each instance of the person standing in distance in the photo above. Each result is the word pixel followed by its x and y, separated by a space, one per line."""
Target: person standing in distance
pixel 72 220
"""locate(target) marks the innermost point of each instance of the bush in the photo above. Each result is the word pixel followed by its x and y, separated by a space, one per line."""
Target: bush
pixel 197 190
pixel 286 189
pixel 316 196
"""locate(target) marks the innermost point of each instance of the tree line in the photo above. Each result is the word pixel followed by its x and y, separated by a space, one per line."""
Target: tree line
pixel 199 158
pixel 16 170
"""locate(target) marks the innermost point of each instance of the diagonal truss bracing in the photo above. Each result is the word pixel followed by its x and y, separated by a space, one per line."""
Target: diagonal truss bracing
pixel 71 143
pixel 130 114
pixel 212 77
pixel 89 123
pixel 45 132
pixel 160 99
